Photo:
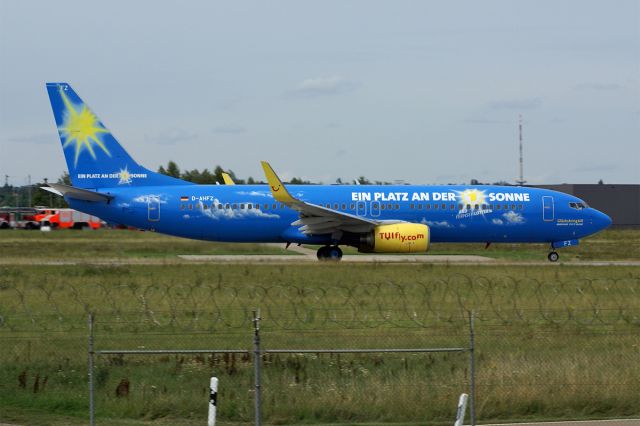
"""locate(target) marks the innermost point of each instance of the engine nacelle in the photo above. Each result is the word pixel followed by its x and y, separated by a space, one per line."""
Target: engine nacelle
pixel 396 238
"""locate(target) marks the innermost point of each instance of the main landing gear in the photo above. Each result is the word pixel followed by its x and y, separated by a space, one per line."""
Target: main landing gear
pixel 553 256
pixel 329 253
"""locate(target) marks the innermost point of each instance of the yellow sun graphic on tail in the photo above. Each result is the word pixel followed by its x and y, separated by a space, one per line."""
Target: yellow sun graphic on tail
pixel 82 128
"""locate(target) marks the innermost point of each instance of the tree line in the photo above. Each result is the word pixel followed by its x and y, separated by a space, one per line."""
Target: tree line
pixel 212 177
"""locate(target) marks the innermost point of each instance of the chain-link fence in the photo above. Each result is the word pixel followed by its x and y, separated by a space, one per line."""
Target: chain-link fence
pixel 323 378
pixel 544 350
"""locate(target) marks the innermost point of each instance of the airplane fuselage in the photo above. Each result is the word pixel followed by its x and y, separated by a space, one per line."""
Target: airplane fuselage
pixel 249 213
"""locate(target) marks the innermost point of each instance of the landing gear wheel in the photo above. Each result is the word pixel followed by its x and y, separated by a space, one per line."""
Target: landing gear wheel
pixel 322 253
pixel 334 253
pixel 329 253
pixel 553 256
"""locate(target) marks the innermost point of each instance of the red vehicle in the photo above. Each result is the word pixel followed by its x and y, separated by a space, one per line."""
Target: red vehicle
pixel 19 217
pixel 67 219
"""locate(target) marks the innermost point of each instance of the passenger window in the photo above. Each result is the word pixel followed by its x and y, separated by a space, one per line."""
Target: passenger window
pixel 220 206
pixel 182 206
pixel 328 205
pixel 468 206
pixel 513 206
pixel 397 206
pixel 505 207
pixel 389 206
pixel 344 206
pixel 335 206
pixel 435 206
pixel 419 206
pixel 249 206
pixel 227 206
pixel 205 206
pixel 235 206
pixel 266 207
pixel 443 207
pixel 427 206
pixel 353 206
pixel 519 206
pixel 452 207
pixel 241 206
pixel 381 206
pixel 476 206
pixel 411 206
pixel 460 206
pixel 190 206
pixel 484 207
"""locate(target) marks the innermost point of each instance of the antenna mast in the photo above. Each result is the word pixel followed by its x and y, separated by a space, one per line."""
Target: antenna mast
pixel 520 181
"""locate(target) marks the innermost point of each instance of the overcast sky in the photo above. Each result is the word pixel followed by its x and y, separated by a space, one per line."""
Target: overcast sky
pixel 425 92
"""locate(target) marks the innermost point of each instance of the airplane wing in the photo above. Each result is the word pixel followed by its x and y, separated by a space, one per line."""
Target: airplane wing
pixel 316 219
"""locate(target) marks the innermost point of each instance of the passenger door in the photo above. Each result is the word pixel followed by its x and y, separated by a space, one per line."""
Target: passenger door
pixel 548 210
pixel 154 208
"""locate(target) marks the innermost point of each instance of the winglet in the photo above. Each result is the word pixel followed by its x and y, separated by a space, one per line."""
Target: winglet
pixel 227 179
pixel 278 189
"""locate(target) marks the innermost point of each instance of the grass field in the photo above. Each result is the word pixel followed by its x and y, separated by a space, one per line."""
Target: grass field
pixel 553 342
pixel 123 244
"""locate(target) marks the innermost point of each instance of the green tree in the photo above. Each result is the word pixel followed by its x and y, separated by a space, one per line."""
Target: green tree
pixel 65 179
pixel 299 181
pixel 172 170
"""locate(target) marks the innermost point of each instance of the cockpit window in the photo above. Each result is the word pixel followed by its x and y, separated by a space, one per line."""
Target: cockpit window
pixel 578 206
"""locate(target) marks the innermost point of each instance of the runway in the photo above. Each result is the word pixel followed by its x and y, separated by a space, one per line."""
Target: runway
pixel 457 260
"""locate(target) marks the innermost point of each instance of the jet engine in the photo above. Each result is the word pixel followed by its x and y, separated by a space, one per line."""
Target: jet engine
pixel 396 238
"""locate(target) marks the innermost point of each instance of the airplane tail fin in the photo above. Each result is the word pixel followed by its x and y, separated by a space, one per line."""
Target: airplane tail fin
pixel 94 157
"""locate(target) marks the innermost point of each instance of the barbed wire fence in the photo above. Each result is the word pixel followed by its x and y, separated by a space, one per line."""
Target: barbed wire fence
pixel 207 305
pixel 544 347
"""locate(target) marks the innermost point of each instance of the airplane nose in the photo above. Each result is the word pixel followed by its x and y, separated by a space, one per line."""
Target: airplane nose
pixel 601 220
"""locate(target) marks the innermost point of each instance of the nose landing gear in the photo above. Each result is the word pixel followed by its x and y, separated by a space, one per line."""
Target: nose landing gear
pixel 333 253
pixel 553 256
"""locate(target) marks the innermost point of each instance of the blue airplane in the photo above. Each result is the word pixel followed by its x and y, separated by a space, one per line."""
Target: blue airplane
pixel 108 183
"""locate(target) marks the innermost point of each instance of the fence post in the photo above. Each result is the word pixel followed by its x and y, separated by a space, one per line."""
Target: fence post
pixel 91 354
pixel 213 401
pixel 257 360
pixel 472 368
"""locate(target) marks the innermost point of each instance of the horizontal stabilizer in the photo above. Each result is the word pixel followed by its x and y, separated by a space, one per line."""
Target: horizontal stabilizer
pixel 76 193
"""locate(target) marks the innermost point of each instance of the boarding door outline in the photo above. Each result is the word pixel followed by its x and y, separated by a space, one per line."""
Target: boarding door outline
pixel 548 208
pixel 153 210
pixel 375 208
pixel 361 208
